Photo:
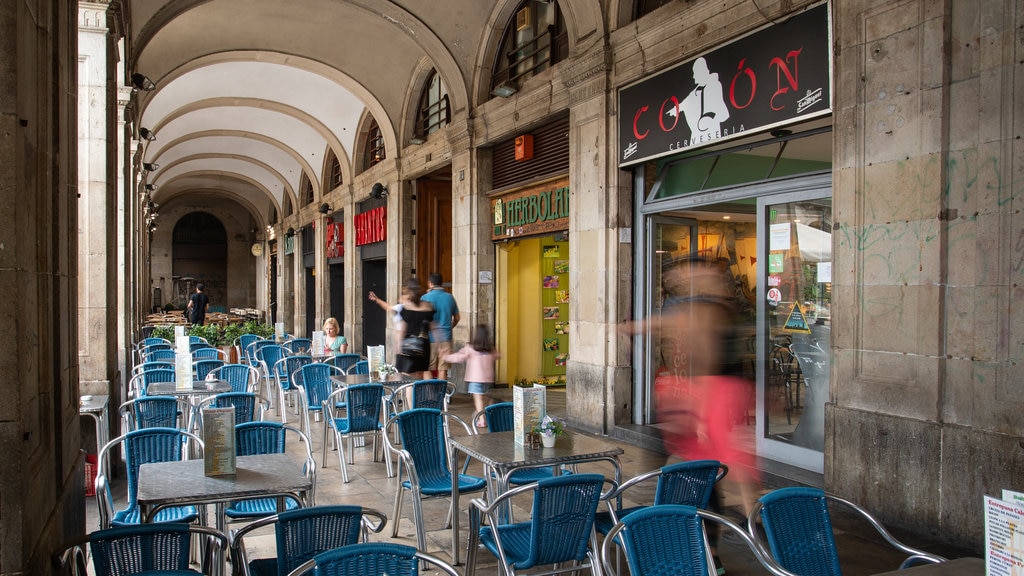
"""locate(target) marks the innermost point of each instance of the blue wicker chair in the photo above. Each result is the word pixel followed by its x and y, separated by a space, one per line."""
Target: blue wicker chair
pixel 344 361
pixel 670 540
pixel 314 382
pixel 241 377
pixel 268 438
pixel 302 534
pixel 560 530
pixel 140 549
pixel 361 367
pixel 798 528
pixel 143 447
pixel 372 558
pixel 156 412
pixel 424 436
pixel 361 404
pixel 283 370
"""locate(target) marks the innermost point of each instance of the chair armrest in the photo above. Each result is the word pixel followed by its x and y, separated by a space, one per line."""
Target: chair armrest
pixel 914 554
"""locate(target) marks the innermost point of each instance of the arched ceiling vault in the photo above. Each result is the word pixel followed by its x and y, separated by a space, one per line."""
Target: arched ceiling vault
pixel 252 94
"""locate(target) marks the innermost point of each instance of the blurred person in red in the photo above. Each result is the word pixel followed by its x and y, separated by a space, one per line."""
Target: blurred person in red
pixel 700 388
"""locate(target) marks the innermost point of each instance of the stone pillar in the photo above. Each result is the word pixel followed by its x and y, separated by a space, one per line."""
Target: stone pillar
pixel 927 268
pixel 97 283
pixel 598 212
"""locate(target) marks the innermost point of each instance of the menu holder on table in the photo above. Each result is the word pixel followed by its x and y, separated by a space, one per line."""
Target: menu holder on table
pixel 374 358
pixel 182 363
pixel 317 346
pixel 1004 534
pixel 529 405
pixel 219 441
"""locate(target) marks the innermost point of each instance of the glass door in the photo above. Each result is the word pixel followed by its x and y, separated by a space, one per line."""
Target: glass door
pixel 794 304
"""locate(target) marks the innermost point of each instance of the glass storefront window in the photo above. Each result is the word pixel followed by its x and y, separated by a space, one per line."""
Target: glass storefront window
pixel 798 281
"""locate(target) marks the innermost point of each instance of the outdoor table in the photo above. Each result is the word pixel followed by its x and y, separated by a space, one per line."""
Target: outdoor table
pixel 96 406
pixel 955 567
pixel 181 482
pixel 198 388
pixel 499 452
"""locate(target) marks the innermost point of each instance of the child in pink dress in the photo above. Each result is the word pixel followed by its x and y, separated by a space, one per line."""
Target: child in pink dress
pixel 479 357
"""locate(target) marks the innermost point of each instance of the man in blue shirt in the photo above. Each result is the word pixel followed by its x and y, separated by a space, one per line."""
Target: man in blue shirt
pixel 446 317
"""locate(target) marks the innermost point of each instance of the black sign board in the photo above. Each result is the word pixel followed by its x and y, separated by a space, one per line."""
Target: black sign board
pixel 776 76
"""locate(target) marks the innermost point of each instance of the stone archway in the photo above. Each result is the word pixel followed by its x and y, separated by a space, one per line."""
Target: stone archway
pixel 199 251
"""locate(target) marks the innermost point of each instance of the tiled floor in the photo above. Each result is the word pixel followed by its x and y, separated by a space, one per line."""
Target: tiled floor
pixel 863 554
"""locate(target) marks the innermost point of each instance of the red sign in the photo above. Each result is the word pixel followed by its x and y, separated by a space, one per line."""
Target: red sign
pixel 335 239
pixel 371 226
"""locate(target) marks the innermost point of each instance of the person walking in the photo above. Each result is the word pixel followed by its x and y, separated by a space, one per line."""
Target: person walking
pixel 195 312
pixel 446 317
pixel 479 356
pixel 417 314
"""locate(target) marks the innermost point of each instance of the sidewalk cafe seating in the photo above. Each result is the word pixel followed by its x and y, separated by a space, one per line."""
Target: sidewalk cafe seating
pixel 671 540
pixel 361 405
pixel 372 558
pixel 798 528
pixel 560 530
pixel 139 549
pixel 303 533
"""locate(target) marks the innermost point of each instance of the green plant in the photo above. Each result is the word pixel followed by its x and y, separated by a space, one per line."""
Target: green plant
pixel 550 426
pixel 210 332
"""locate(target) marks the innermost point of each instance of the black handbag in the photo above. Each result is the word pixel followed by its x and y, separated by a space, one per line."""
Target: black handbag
pixel 414 346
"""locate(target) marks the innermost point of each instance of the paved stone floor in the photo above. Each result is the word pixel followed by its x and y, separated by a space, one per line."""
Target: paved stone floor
pixel 862 552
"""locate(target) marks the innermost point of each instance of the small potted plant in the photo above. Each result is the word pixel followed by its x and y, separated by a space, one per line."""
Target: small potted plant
pixel 550 428
pixel 384 370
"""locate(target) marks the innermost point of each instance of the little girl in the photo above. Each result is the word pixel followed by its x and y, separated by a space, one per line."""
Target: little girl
pixel 479 357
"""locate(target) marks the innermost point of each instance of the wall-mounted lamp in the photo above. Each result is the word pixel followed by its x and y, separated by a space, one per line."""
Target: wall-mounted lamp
pixel 289 233
pixel 151 187
pixel 504 90
pixel 142 82
pixel 378 191
pixel 147 134
pixel 150 166
pixel 415 140
pixel 324 208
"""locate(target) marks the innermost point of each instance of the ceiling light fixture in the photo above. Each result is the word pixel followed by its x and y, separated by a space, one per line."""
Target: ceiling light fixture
pixel 150 166
pixel 289 233
pixel 378 191
pixel 142 82
pixel 505 89
pixel 147 134
pixel 324 208
pixel 151 187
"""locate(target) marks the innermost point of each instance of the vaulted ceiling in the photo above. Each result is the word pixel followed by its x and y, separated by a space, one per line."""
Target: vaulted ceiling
pixel 252 94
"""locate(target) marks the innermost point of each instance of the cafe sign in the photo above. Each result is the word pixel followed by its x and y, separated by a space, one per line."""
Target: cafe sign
pixel 531 211
pixel 773 77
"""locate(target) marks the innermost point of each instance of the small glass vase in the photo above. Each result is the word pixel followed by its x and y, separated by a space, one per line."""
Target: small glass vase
pixel 548 440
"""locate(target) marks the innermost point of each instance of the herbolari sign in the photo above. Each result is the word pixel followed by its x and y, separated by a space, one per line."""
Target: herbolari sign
pixel 773 77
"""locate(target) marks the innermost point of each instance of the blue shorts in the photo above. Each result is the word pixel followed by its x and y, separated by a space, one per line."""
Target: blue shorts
pixel 478 387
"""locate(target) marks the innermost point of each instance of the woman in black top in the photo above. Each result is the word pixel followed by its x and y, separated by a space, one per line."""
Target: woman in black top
pixel 416 318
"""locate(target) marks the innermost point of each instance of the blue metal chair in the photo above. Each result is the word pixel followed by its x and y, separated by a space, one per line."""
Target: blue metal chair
pixel 159 355
pixel 798 528
pixel 197 340
pixel 254 346
pixel 361 404
pixel 299 346
pixel 560 530
pixel 689 483
pixel 155 412
pixel 670 540
pixel 198 345
pixel 267 356
pixel 268 438
pixel 147 366
pixel 143 447
pixel 372 558
pixel 209 353
pixel 424 436
pixel 139 549
pixel 242 343
pixel 200 368
pixel 302 534
pixel 283 370
pixel 139 383
pixel 345 361
pixel 241 377
pixel 248 406
pixel 361 367
pixel 314 381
